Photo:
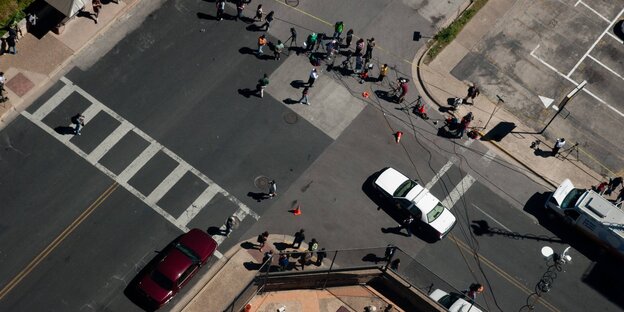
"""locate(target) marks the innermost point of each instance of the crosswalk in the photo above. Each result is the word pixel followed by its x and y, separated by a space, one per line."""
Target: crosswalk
pixel 94 157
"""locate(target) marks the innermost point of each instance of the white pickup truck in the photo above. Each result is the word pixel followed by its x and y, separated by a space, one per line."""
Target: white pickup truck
pixel 591 213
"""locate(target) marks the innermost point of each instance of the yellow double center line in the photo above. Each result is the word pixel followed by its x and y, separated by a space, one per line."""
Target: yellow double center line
pixel 57 241
pixel 504 274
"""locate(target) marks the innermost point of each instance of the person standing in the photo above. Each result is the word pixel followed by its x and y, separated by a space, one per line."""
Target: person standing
pixel 258 16
pixel 304 96
pixel 407 225
pixel 383 72
pixel 558 145
pixel 277 50
pixel 267 21
pixel 313 245
pixel 311 41
pixel 12 40
pixel 320 255
pixel 262 41
pixel 613 184
pixel 97 6
pixel 229 225
pixel 359 46
pixel 473 92
pixel 370 45
pixel 349 38
pixel 262 84
pixel 239 9
pixel 220 9
pixel 262 239
pixel 338 28
pixel 299 238
pixel 313 76
pixel 283 262
pixel 272 189
pixel 293 37
pixel 389 252
pixel 473 290
pixel 404 89
pixel 78 120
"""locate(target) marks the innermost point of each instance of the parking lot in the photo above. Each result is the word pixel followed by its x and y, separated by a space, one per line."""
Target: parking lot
pixel 546 49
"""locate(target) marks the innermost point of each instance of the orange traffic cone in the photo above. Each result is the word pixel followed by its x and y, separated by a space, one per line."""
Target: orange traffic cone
pixel 398 136
pixel 297 210
pixel 365 94
pixel 248 308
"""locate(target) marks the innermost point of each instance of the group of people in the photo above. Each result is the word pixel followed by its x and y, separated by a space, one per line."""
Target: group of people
pixel 301 258
pixel 610 187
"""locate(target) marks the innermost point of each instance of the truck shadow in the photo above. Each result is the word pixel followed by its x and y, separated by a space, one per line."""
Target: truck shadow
pixel 605 273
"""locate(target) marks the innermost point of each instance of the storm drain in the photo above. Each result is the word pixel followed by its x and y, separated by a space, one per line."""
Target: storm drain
pixel 262 182
pixel 290 118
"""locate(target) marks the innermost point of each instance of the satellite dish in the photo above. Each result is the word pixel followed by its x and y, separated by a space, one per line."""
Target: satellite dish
pixel 547 252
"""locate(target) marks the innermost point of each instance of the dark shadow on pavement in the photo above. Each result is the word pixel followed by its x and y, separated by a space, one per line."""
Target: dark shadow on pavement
pixel 205 16
pixel 254 27
pixel 373 258
pixel 247 50
pixel 63 130
pixel 542 153
pixel 248 93
pixel 281 246
pixel 252 266
pixel 618 29
pixel 290 101
pixel 297 84
pixel 481 227
pixel 248 245
pixel 385 95
pixel 213 230
pixel 257 196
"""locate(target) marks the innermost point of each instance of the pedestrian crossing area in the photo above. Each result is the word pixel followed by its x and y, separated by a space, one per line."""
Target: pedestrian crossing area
pixel 152 197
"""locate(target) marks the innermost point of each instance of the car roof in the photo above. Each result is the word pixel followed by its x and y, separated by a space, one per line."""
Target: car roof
pixel 200 242
pixel 174 264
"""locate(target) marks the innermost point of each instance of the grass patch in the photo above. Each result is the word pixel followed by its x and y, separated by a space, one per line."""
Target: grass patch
pixel 448 34
pixel 12 11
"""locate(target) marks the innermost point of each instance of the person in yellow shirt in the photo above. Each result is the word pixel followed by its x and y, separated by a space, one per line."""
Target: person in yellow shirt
pixel 383 71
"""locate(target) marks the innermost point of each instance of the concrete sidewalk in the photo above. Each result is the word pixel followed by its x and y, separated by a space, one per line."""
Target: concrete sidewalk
pixel 437 85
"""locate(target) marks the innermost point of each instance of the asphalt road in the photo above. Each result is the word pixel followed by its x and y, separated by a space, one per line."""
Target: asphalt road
pixel 169 87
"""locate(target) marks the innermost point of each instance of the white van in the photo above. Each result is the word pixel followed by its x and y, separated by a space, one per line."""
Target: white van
pixel 591 213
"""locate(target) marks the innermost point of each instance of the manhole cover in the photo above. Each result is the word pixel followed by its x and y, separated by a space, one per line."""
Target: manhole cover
pixel 262 182
pixel 291 118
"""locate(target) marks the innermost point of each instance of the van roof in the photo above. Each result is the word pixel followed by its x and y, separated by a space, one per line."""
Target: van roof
pixel 604 211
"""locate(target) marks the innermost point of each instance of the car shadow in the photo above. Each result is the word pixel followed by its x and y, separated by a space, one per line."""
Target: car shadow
pixel 398 215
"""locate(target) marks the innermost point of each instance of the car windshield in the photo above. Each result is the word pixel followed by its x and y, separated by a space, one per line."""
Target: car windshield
pixel 188 252
pixel 572 198
pixel 435 213
pixel 404 188
pixel 162 280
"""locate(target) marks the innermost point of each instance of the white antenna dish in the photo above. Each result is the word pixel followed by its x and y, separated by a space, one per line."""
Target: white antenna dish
pixel 547 252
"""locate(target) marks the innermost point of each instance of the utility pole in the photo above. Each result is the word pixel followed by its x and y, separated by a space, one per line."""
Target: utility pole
pixel 564 102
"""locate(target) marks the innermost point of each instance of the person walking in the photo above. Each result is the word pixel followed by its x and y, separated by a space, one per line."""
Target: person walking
pixel 338 27
pixel 320 255
pixel 349 38
pixel 12 39
pixel 267 21
pixel 559 143
pixel 473 92
pixel 407 225
pixel 268 260
pixel 473 290
pixel 313 245
pixel 97 6
pixel 262 84
pixel 258 16
pixel 78 120
pixel 370 45
pixel 613 184
pixel 283 262
pixel 262 41
pixel 304 96
pixel 229 225
pixel 389 252
pixel 404 89
pixel 262 239
pixel 359 47
pixel 299 238
pixel 272 189
pixel 310 42
pixel 277 50
pixel 240 6
pixel 313 76
pixel 383 72
pixel 220 9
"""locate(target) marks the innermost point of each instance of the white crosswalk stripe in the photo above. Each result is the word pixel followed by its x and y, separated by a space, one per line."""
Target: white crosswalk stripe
pixel 459 191
pixel 440 173
pixel 143 158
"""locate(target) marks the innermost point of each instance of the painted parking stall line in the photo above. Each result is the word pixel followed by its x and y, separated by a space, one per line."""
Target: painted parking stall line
pixel 139 162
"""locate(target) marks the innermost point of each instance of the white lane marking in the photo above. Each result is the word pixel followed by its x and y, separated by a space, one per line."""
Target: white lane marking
pixel 200 202
pixel 492 218
pixel 459 190
pixel 591 9
pixel 109 142
pixel 440 173
pixel 53 102
pixel 615 37
pixel 488 157
pixel 605 66
pixel 240 214
pixel 586 90
pixel 596 42
pixel 139 162
pixel 166 184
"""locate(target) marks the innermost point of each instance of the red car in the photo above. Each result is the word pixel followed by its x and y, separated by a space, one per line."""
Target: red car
pixel 180 262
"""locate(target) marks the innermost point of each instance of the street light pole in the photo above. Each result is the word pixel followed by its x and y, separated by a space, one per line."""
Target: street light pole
pixel 564 102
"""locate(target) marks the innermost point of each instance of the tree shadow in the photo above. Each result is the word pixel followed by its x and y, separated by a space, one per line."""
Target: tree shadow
pixel 63 130
pixel 248 93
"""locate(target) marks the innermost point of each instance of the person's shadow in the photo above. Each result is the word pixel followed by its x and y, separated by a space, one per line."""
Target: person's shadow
pixel 297 84
pixel 290 101
pixel 258 196
pixel 394 230
pixel 205 16
pixel 63 130
pixel 248 92
pixel 541 153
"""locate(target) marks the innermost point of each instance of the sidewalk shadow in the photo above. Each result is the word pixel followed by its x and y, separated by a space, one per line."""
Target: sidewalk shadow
pixel 48 18
pixel 297 84
pixel 248 93
pixel 257 196
pixel 63 130
pixel 290 101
